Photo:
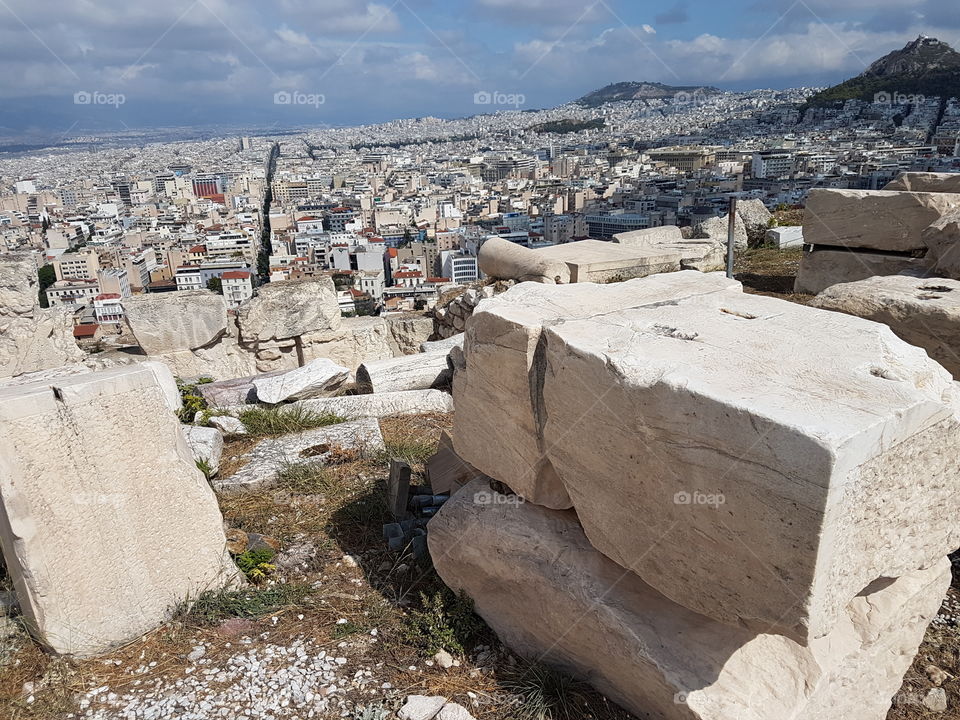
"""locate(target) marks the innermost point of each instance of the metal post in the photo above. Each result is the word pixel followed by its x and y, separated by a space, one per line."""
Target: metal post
pixel 731 233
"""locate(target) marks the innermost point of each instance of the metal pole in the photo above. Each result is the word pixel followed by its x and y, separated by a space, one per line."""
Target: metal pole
pixel 731 233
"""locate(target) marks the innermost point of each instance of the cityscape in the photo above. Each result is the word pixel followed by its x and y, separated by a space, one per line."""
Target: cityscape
pixel 482 360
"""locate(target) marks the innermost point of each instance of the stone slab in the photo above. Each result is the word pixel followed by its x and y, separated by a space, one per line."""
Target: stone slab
pixel 169 322
pixel 551 597
pixel 495 393
pixel 504 260
pixel 926 182
pixel 822 268
pixel 923 312
pixel 318 378
pixel 598 261
pixel 106 522
pixel 873 219
pixel 778 457
pixel 288 309
pixel 270 456
pixel 785 237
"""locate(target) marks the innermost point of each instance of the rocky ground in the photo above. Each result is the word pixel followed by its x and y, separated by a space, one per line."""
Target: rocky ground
pixel 341 627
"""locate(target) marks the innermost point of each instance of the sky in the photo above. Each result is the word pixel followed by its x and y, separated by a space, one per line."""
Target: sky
pixel 70 65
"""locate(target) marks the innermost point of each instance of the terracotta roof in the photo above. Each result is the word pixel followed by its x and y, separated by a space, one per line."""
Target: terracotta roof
pixel 198 249
pixel 235 275
pixel 85 331
pixel 108 296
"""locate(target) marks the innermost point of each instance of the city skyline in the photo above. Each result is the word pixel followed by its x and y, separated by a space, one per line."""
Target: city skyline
pixel 204 63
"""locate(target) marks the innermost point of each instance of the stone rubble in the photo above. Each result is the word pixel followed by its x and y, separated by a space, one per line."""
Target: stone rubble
pixel 297 680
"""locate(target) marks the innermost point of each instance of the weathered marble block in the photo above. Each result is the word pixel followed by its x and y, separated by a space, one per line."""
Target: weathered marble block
pixel 549 595
pixel 757 461
pixel 105 521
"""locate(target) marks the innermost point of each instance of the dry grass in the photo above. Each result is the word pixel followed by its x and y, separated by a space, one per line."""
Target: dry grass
pixel 765 271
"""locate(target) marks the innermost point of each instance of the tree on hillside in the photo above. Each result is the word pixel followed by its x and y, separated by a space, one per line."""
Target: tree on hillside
pixel 47 277
pixel 216 285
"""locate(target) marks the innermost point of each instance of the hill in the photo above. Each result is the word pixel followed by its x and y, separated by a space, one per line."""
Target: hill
pixel 925 67
pixel 642 91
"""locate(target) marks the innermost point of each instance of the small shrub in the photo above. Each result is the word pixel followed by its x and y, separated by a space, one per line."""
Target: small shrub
pixel 193 401
pixel 256 565
pixel 446 622
pixel 263 421
pixel 211 607
pixel 204 466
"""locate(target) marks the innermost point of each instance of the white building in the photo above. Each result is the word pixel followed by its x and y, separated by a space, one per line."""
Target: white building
pixel 237 286
pixel 72 293
pixel 460 268
pixel 107 308
pixel 189 277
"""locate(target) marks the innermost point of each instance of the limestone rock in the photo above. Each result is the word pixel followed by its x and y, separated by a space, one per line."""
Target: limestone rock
pixel 107 524
pixel 238 391
pixel 926 182
pixel 357 340
pixel 942 239
pixel 447 472
pixel 716 228
pixel 925 313
pixel 228 425
pixel 168 322
pixel 446 344
pixel 408 333
pixel 504 260
pixel 270 456
pixel 409 372
pixel 822 268
pixel 318 378
pixel 206 444
pixel 407 402
pixel 289 309
pixel 31 338
pixel 755 217
pixel 935 700
pixel 552 597
pixel 705 255
pixel 421 707
pixel 498 389
pixel 222 359
pixel 874 219
pixel 742 435
pixel 599 262
pixel 785 237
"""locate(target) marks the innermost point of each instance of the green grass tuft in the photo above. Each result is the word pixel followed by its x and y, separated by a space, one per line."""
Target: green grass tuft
pixel 265 422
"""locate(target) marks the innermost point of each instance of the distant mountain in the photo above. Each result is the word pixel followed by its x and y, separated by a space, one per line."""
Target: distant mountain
pixel 643 91
pixel 925 67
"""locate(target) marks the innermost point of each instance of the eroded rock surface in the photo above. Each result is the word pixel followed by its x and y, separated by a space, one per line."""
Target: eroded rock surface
pixel 549 595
